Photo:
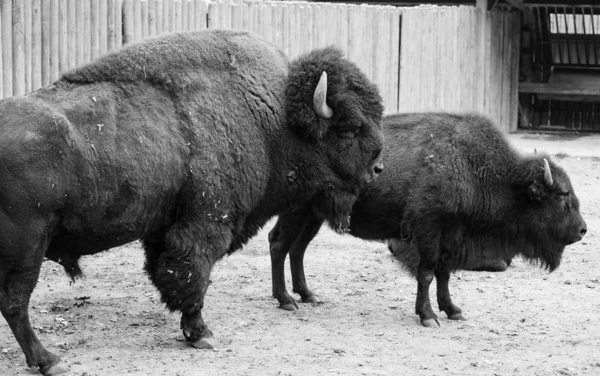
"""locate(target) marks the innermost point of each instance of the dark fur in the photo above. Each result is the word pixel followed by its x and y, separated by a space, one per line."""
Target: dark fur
pixel 454 183
pixel 453 195
pixel 190 142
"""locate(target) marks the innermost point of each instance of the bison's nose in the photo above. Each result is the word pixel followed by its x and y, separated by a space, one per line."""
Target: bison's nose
pixel 378 168
pixel 583 231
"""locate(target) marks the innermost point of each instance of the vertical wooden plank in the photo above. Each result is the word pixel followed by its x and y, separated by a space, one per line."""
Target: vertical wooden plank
pixel 111 25
pixel 95 28
pixel 87 30
pixel 137 20
pixel 103 38
pixel 71 35
pixel 212 19
pixel 191 23
pixel 7 48
pixel 177 16
pixel 45 18
pixel 276 22
pixel 160 17
pixel 151 18
pixel 18 48
pixel 78 33
pixel 118 39
pixel 144 19
pixel 514 84
pixel 317 11
pixel 395 47
pixel 201 14
pixel 27 25
pixel 268 33
pixel 36 45
pixel 167 16
pixel 62 36
pixel 184 15
pixel 1 52
pixel 236 18
pixel 285 28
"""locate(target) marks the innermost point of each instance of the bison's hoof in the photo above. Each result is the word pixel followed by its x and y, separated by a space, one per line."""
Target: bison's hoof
pixel 205 343
pixel 55 370
pixel 288 307
pixel 430 323
pixel 456 316
pixel 311 299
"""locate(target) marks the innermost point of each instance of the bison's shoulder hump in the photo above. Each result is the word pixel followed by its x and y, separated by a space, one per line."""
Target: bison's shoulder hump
pixel 170 58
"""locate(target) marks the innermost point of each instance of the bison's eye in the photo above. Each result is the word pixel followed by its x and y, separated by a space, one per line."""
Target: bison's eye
pixel 348 134
pixel 562 197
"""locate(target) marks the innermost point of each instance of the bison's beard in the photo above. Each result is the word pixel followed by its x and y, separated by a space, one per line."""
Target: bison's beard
pixel 335 207
pixel 547 255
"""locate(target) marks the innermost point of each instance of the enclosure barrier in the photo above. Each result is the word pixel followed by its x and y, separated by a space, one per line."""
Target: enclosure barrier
pixel 421 58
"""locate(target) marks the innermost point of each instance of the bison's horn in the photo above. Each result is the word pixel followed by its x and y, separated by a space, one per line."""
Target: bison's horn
pixel 319 98
pixel 547 173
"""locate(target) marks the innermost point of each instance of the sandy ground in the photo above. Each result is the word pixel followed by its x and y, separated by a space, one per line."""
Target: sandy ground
pixel 520 322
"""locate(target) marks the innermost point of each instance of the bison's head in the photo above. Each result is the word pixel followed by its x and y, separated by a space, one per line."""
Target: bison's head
pixel 553 216
pixel 338 112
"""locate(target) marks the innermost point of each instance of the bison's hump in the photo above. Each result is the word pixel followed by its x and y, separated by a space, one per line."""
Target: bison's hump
pixel 168 60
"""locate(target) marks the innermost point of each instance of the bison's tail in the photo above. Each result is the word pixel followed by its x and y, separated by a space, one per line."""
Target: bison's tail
pixel 407 253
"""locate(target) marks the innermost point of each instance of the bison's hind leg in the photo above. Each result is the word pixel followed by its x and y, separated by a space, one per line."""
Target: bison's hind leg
pixel 22 251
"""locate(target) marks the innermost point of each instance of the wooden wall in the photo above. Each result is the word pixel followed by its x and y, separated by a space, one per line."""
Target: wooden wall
pixel 421 58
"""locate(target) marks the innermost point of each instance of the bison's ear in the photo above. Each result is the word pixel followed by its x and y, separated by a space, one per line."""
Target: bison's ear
pixel 536 191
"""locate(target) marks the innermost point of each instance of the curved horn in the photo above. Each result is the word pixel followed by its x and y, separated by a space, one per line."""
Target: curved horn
pixel 547 173
pixel 319 98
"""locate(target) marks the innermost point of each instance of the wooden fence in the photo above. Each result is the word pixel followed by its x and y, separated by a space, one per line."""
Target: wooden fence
pixel 460 59
pixel 434 58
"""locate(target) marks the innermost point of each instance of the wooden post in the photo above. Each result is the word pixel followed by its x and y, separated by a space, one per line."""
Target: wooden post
pixel 7 63
pixel 71 35
pixel 103 26
pixel 18 47
pixel 128 21
pixel 118 24
pixel 111 25
pixel 95 28
pixel 482 6
pixel 36 45
pixel 160 16
pixel 144 18
pixel 79 41
pixel 28 23
pixel 87 31
pixel 151 18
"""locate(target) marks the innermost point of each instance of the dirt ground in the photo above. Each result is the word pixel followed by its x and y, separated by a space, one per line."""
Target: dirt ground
pixel 520 322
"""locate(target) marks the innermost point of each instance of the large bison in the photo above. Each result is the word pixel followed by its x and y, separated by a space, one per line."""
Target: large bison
pixel 453 190
pixel 189 142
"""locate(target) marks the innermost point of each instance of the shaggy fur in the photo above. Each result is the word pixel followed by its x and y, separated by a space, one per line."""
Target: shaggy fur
pixel 189 142
pixel 454 194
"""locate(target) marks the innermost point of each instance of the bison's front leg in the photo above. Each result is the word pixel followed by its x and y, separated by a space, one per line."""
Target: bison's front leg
pixel 423 308
pixel 180 266
pixel 442 277
pixel 292 233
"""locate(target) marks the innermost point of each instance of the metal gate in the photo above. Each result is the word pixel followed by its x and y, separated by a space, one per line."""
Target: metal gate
pixel 560 68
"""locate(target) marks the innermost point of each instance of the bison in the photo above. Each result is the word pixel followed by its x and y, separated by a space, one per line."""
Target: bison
pixel 453 191
pixel 190 142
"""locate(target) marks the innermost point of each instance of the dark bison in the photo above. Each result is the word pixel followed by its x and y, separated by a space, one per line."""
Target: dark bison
pixel 453 190
pixel 189 142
